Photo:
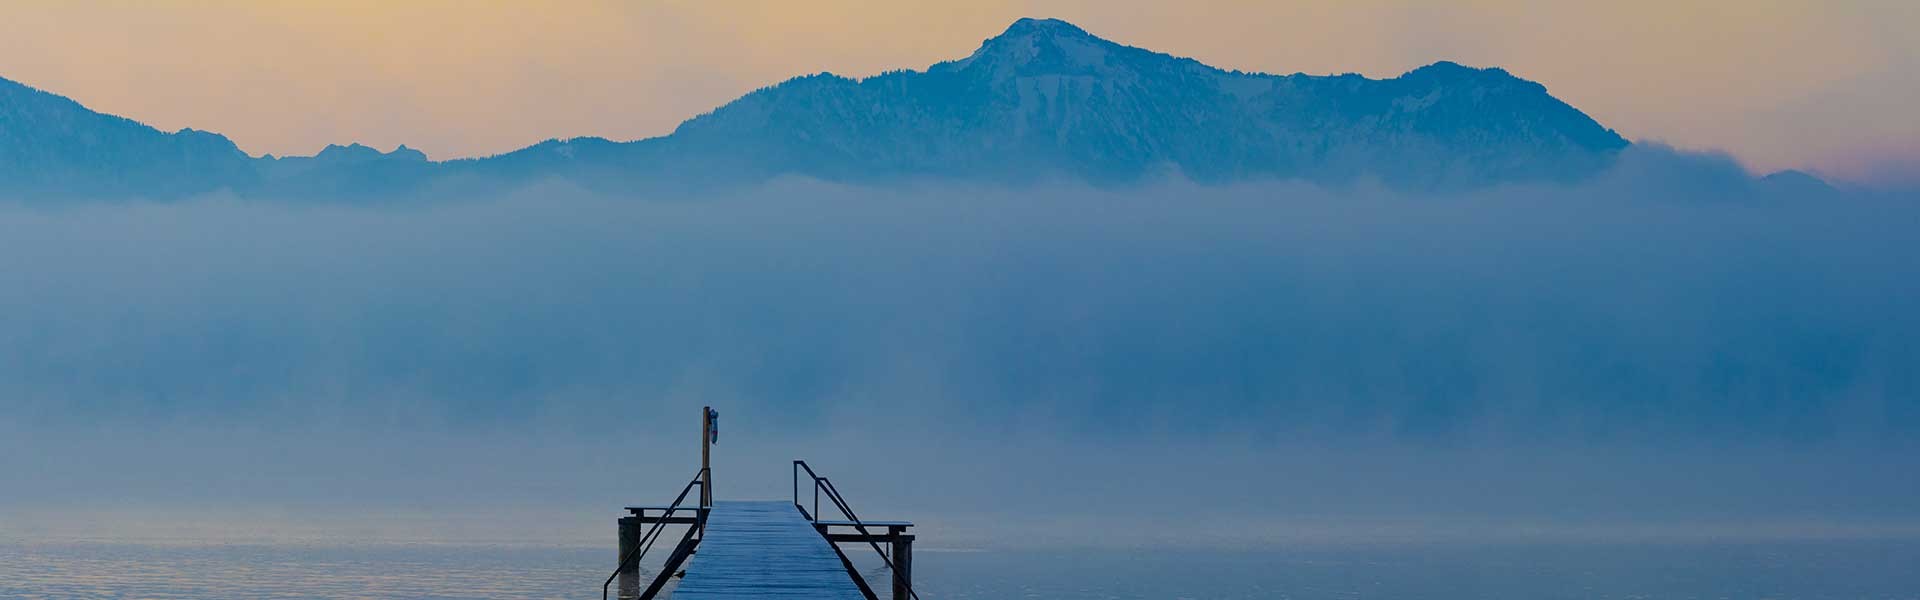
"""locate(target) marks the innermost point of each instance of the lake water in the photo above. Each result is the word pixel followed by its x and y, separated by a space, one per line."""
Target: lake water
pixel 1851 570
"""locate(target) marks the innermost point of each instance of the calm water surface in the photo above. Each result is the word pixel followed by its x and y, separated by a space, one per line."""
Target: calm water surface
pixel 1854 570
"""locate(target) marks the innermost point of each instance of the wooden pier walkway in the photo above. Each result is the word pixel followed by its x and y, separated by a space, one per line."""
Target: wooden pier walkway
pixel 769 549
pixel 761 550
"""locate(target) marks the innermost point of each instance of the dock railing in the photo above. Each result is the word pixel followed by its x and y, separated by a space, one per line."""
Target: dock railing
pixel 652 534
pixel 902 576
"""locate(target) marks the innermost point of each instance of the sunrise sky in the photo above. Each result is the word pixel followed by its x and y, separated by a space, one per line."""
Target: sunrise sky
pixel 1824 86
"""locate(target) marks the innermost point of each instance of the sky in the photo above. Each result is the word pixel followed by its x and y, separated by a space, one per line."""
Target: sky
pixel 1821 86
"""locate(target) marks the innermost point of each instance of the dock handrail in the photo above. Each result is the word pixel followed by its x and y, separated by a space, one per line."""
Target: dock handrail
pixel 653 533
pixel 840 503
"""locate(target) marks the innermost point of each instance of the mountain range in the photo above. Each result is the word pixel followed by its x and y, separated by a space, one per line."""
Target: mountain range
pixel 1043 100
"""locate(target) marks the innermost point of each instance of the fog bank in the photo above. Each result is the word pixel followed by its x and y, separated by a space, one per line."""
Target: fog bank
pixel 1670 339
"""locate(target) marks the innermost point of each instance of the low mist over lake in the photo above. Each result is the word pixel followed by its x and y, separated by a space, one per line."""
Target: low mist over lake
pixel 1103 322
pixel 1623 338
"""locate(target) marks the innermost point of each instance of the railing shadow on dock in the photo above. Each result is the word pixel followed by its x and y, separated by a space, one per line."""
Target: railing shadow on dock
pixel 899 562
pixel 631 555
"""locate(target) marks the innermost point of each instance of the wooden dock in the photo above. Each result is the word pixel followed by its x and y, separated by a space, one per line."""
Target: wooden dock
pixel 764 549
pixel 759 549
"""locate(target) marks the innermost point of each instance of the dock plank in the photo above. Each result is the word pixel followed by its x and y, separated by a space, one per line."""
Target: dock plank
pixel 764 550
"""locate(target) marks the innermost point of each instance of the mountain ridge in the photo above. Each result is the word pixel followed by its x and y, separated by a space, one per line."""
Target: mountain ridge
pixel 1118 113
pixel 1043 99
pixel 51 140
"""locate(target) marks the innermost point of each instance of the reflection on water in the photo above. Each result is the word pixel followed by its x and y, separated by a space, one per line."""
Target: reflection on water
pixel 1853 570
pixel 1880 570
pixel 628 585
pixel 267 571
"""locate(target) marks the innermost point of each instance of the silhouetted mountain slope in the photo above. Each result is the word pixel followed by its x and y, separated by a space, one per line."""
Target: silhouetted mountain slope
pixel 53 146
pixel 1047 98
pixel 1044 99
pixel 346 172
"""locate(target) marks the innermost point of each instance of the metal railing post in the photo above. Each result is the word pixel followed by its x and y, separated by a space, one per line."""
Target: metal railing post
pixel 899 562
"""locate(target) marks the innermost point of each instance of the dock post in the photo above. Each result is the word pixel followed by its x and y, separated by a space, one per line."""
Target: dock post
pixel 902 566
pixel 707 436
pixel 629 540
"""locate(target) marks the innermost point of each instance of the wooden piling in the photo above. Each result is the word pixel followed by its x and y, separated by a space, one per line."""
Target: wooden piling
pixel 630 531
pixel 902 566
